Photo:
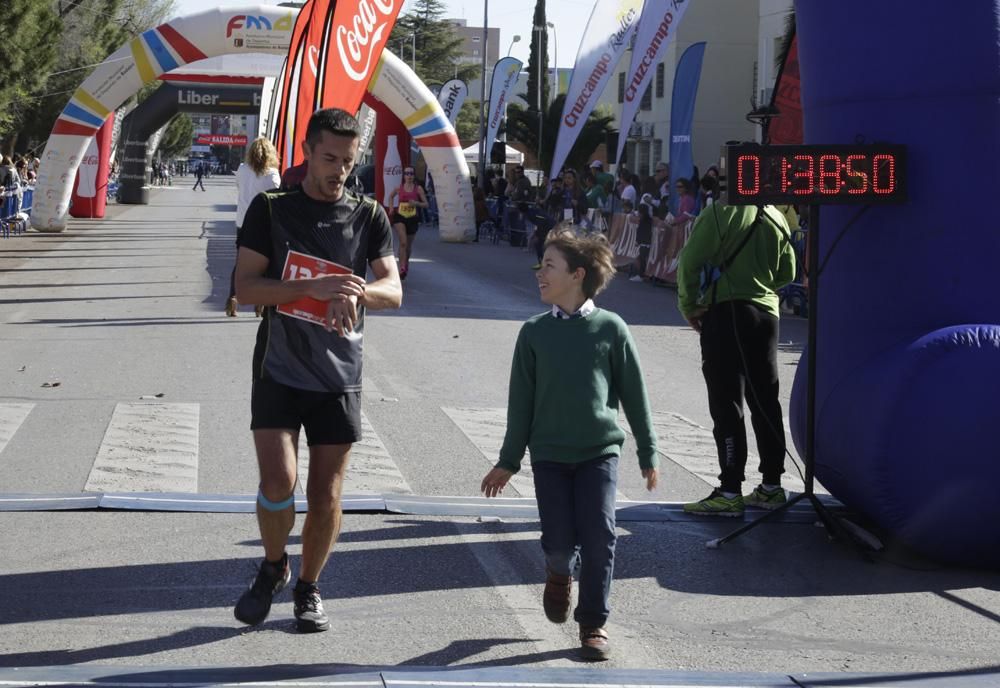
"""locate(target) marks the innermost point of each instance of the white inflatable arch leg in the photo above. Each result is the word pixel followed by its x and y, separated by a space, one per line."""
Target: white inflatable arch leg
pixel 395 84
pixel 247 29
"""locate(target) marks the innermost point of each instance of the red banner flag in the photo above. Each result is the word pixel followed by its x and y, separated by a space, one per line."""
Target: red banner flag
pixel 352 48
pixel 786 128
pixel 284 128
pixel 334 51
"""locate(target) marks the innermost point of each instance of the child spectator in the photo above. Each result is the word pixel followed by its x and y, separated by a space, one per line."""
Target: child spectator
pixel 573 365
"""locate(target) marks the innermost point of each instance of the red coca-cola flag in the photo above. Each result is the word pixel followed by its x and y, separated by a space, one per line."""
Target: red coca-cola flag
pixel 352 49
pixel 284 126
pixel 334 50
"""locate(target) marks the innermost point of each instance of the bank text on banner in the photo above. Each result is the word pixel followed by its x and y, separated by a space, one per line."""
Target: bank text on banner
pixel 451 97
pixel 607 36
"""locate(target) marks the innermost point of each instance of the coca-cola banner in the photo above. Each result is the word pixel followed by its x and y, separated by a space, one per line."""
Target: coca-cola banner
pixel 451 97
pixel 252 28
pixel 502 86
pixel 90 197
pixel 659 23
pixel 221 140
pixel 285 118
pixel 611 26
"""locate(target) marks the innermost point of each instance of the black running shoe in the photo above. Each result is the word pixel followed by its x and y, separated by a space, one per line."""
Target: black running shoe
pixel 255 604
pixel 309 614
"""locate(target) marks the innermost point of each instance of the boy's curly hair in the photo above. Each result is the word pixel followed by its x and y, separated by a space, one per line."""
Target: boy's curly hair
pixel 588 250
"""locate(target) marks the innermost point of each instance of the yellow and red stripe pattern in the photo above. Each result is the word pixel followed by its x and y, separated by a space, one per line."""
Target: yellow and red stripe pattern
pixel 154 52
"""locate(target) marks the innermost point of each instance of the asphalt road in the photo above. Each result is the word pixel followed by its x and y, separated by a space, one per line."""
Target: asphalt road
pixel 120 373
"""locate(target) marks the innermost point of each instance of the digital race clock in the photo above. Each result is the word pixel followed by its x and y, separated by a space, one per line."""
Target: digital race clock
pixel 814 174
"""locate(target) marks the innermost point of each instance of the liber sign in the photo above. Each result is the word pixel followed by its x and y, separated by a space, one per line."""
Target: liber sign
pixel 815 174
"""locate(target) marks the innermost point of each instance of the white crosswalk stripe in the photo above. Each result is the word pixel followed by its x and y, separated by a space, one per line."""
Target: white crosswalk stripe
pixel 11 417
pixel 485 428
pixel 148 448
pixel 371 469
pixel 692 447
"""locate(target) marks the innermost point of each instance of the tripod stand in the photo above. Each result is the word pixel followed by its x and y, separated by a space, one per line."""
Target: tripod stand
pixel 832 524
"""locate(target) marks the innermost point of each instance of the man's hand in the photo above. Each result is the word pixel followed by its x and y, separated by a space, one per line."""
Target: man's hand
pixel 652 477
pixel 695 317
pixel 341 314
pixel 495 481
pixel 326 287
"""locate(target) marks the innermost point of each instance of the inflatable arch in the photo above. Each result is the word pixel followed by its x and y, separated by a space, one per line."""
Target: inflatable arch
pixel 909 329
pixel 247 29
pixel 154 112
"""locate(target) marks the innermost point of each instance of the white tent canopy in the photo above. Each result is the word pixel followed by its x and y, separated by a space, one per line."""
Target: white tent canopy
pixel 513 156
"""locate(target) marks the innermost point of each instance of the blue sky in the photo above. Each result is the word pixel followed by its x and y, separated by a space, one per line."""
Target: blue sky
pixel 513 17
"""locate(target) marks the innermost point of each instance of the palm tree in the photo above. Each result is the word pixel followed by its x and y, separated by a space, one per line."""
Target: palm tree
pixel 522 126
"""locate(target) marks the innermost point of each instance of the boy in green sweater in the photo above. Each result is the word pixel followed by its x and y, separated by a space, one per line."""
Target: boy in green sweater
pixel 573 366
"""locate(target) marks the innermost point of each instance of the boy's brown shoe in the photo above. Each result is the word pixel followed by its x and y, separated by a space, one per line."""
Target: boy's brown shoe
pixel 594 644
pixel 557 597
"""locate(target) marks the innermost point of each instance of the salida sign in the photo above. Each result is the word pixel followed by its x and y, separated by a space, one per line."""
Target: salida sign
pixel 221 140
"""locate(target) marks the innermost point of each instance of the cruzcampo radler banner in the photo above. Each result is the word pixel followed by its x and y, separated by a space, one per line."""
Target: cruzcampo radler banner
pixel 659 23
pixel 611 26
pixel 502 86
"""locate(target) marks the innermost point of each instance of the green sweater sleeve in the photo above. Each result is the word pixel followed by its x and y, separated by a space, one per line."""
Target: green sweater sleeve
pixel 700 248
pixel 631 390
pixel 520 404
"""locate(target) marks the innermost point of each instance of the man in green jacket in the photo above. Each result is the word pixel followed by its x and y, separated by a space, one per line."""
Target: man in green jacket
pixel 729 273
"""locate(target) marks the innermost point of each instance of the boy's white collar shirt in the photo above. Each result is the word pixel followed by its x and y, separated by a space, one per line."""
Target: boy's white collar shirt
pixel 582 312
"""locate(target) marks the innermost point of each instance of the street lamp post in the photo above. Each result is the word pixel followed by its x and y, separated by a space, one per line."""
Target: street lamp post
pixel 538 77
pixel 555 59
pixel 515 39
pixel 413 51
pixel 482 98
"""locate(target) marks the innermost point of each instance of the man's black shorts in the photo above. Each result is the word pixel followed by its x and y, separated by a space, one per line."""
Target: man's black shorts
pixel 328 417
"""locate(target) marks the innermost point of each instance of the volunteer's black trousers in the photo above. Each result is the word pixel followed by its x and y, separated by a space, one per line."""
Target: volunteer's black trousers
pixel 739 352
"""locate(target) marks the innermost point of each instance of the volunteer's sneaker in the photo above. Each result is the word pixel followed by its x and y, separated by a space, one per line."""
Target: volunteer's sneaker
pixel 255 604
pixel 635 278
pixel 716 504
pixel 309 614
pixel 766 499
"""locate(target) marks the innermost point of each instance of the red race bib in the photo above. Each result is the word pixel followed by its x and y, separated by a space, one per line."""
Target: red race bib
pixel 303 266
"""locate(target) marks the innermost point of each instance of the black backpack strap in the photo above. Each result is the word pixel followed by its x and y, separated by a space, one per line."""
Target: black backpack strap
pixel 732 256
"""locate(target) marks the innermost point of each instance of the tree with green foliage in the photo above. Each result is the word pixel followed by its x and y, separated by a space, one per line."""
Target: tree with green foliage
pixel 27 54
pixel 178 137
pixel 87 32
pixel 522 126
pixel 438 45
pixel 467 122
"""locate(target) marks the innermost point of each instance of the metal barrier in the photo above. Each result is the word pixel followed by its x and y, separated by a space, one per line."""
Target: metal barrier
pixel 14 209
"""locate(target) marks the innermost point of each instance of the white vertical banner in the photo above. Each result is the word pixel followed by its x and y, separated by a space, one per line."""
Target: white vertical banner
pixel 451 97
pixel 611 26
pixel 368 118
pixel 505 75
pixel 659 22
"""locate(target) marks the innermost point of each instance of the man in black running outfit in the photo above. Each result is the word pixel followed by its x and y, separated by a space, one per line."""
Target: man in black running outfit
pixel 306 374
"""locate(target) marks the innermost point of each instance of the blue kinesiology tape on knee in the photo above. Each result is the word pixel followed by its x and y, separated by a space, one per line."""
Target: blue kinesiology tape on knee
pixel 274 506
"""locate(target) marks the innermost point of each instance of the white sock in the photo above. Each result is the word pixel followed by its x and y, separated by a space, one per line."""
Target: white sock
pixel 729 495
pixel 770 488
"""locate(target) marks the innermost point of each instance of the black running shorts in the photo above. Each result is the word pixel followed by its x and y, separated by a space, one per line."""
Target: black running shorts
pixel 328 418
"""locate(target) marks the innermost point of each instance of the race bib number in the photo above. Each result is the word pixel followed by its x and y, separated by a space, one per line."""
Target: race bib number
pixel 303 266
pixel 407 210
